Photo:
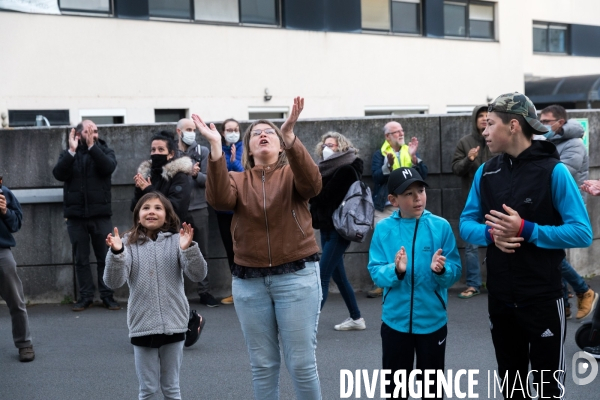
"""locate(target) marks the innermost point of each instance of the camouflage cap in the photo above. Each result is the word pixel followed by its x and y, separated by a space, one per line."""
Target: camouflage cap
pixel 517 103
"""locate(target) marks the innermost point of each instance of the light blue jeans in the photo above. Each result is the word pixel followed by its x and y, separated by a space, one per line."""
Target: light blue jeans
pixel 159 368
pixel 288 305
pixel 570 276
pixel 472 265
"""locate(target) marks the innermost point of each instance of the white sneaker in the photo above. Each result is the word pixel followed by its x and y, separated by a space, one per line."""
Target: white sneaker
pixel 351 325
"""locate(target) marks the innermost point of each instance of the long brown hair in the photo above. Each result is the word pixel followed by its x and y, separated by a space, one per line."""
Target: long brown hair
pixel 171 219
pixel 247 159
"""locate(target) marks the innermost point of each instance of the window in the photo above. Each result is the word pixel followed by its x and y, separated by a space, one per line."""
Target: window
pixel 406 16
pixel 18 118
pixel 94 6
pixel 170 8
pixel 259 12
pixel 218 11
pixel 169 115
pixel 374 111
pixel 550 38
pixel 469 19
pixel 267 112
pixel 103 116
pixel 375 14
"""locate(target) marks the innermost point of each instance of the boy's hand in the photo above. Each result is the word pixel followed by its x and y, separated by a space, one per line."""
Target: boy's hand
pixel 592 187
pixel 186 234
pixel 504 225
pixel 401 260
pixel 438 261
pixel 507 245
pixel 114 242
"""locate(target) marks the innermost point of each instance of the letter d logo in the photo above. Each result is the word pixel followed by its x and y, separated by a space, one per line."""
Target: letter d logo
pixel 582 366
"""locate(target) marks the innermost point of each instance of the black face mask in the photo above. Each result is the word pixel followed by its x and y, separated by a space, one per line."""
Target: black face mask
pixel 158 160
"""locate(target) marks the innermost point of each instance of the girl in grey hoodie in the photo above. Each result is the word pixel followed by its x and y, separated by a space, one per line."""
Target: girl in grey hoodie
pixel 152 258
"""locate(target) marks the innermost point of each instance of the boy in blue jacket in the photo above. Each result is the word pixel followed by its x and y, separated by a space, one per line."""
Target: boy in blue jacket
pixel 525 207
pixel 414 258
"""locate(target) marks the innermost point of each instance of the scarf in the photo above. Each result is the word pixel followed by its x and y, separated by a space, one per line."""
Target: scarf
pixel 405 158
pixel 337 160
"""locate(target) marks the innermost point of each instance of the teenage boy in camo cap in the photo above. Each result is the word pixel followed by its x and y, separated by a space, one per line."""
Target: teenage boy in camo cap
pixel 526 208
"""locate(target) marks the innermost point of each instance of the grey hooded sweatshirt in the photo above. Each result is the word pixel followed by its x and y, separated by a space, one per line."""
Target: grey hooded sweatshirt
pixel 461 165
pixel 570 147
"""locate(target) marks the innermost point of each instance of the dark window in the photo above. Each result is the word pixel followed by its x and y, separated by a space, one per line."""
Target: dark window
pixel 18 118
pixel 133 9
pixel 266 115
pixel 406 16
pixel 259 12
pixel 218 11
pixel 550 38
pixel 106 119
pixel 169 115
pixel 170 8
pixel 469 19
pixel 93 6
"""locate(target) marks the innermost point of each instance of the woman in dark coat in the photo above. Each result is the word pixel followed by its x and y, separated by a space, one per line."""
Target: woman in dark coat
pixel 340 167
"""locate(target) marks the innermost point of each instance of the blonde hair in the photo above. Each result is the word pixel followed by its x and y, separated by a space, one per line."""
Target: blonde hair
pixel 247 159
pixel 342 141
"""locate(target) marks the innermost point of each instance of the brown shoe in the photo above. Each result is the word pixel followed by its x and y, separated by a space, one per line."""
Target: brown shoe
pixel 586 302
pixel 377 292
pixel 26 354
pixel 227 300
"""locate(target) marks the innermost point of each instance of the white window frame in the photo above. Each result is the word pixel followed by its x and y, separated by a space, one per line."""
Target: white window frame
pixel 402 110
pixel 459 109
pixel 103 112
pixel 274 109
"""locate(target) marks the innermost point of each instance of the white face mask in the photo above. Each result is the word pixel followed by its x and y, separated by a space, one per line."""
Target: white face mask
pixel 188 137
pixel 232 137
pixel 327 152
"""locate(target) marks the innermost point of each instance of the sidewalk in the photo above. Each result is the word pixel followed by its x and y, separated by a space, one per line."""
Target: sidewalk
pixel 87 355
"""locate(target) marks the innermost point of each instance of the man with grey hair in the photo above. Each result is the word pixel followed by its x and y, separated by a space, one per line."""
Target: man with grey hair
pixel 394 154
pixel 198 208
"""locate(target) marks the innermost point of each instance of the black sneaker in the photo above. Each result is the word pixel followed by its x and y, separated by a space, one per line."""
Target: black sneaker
pixel 110 303
pixel 208 300
pixel 82 304
pixel 592 351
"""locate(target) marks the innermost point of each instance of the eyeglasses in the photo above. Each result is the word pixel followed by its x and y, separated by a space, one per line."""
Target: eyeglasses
pixel 268 131
pixel 330 145
pixel 547 121
pixel 230 130
pixel 395 132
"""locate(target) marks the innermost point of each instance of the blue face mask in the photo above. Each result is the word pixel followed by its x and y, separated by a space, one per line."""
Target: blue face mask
pixel 550 132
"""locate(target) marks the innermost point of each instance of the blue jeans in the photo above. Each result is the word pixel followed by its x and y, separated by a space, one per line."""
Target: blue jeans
pixel 288 305
pixel 472 265
pixel 571 277
pixel 332 266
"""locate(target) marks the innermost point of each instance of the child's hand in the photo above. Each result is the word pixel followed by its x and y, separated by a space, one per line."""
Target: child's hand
pixel 114 242
pixel 507 245
pixel 401 260
pixel 504 225
pixel 186 234
pixel 438 261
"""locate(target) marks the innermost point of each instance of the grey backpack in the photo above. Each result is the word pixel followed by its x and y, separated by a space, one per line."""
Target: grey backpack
pixel 353 218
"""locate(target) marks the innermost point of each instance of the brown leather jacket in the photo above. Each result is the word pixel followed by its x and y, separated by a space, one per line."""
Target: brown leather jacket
pixel 271 221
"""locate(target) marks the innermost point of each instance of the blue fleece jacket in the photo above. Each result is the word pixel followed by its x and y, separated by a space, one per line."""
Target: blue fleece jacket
pixel 575 231
pixel 11 221
pixel 414 302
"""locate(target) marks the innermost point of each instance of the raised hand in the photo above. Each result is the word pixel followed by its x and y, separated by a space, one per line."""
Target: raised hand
pixel 413 145
pixel 186 234
pixel 438 261
pixel 287 129
pixel 211 134
pixel 114 242
pixel 473 153
pixel 141 182
pixel 232 158
pixel 73 141
pixel 401 260
pixel 504 225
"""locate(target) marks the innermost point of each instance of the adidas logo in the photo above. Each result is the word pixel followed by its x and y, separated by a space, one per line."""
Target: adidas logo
pixel 547 333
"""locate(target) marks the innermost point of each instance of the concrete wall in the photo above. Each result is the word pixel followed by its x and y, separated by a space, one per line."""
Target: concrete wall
pixel 43 250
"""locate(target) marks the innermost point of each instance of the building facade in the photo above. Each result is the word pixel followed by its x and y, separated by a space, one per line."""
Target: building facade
pixel 145 61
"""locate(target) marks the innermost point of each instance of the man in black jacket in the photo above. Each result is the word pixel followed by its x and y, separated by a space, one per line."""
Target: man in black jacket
pixel 86 168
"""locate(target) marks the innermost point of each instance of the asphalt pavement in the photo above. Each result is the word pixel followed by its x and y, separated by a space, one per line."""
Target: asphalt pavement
pixel 87 355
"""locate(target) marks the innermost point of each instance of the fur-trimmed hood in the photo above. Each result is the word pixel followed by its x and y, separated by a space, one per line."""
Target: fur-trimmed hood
pixel 182 164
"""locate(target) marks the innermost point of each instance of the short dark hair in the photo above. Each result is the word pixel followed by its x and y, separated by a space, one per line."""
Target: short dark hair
pixel 559 112
pixel 505 117
pixel 168 138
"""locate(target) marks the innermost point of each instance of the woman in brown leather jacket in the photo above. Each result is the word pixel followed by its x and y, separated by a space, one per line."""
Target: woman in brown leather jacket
pixel 275 271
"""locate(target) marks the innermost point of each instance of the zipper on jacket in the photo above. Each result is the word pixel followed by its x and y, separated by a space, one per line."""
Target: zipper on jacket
pixel 298 223
pixel 266 220
pixel 440 298
pixel 412 278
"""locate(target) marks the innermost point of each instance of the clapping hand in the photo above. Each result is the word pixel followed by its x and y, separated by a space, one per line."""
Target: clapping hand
pixel 390 160
pixel 195 170
pixel 401 260
pixel 413 145
pixel 506 245
pixel 592 187
pixel 438 261
pixel 3 208
pixel 186 234
pixel 73 140
pixel 232 158
pixel 141 182
pixel 114 242
pixel 473 153
pixel 504 225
